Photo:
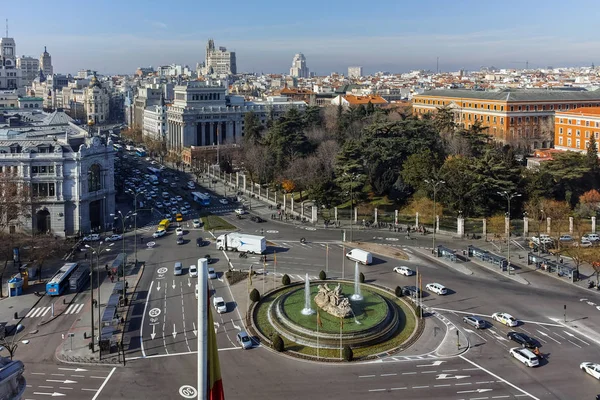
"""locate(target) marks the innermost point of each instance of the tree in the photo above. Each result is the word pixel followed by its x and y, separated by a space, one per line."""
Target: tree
pixel 278 343
pixel 312 117
pixel 347 353
pixel 322 275
pixel 252 128
pixel 592 162
pixel 558 212
pixel 257 163
pixel 460 192
pixel 370 108
pixel 285 280
pixel 15 200
pixel 133 134
pixel 418 167
pixel 286 139
pixel 567 171
pixel 444 122
pixel 349 169
pixel 255 295
pixel 589 204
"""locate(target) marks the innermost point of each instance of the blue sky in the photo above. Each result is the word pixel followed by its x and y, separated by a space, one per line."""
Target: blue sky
pixel 385 35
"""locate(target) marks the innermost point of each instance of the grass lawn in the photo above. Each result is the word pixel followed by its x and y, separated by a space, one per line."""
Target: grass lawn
pixel 212 222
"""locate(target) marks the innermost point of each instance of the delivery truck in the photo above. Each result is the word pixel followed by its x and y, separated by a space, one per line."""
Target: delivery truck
pixel 361 256
pixel 242 242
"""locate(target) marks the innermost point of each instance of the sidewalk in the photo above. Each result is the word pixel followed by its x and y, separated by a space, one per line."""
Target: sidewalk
pixel 75 348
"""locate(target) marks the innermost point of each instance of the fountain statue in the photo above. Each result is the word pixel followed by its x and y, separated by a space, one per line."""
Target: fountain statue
pixel 333 301
pixel 307 310
pixel 357 296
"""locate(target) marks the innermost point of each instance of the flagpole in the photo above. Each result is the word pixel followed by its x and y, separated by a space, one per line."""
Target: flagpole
pixel 264 276
pixel 341 326
pixel 327 259
pixel 274 268
pixel 202 329
pixel 343 259
pixel 318 320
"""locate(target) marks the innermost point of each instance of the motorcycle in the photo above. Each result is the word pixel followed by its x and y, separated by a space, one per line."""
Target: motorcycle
pixel 302 240
pixel 591 285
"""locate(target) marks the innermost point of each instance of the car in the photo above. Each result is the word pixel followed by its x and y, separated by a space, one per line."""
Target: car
pixel 158 234
pixel 212 274
pixel 148 159
pixel 94 237
pixel 209 259
pixel 196 223
pixel 184 211
pixel 199 242
pixel 174 210
pixel 591 368
pixel 256 219
pixel 188 206
pixel 505 318
pixel 178 268
pixel 583 243
pixel 173 185
pixel 193 271
pixel 219 305
pixel 154 195
pixel 526 356
pixel 180 240
pixel 178 198
pixel 223 201
pixel 179 231
pixel 474 321
pixel 522 339
pixel 437 288
pixel 565 238
pixel 240 211
pixel 173 200
pixel 592 237
pixel 165 181
pixel 403 270
pixel 411 291
pixel 244 340
pixel 167 203
pixel 178 217
pixel 158 204
pixel 113 238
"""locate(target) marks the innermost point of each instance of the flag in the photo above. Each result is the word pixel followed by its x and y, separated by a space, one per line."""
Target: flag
pixel 319 322
pixel 341 323
pixel 215 384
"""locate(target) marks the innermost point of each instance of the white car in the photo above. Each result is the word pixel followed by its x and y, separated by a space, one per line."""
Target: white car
pixel 219 305
pixel 212 274
pixel 402 270
pixel 526 356
pixel 179 198
pixel 113 238
pixel 223 201
pixel 179 231
pixel 159 204
pixel 167 203
pixel 436 288
pixel 240 211
pixel 158 234
pixel 193 271
pixel 196 223
pixel 505 319
pixel 94 237
pixel 592 237
pixel 591 368
pixel 184 211
pixel 165 181
pixel 583 243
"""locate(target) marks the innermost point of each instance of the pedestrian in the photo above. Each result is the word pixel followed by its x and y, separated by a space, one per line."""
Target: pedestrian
pixel 85 256
pixel 106 267
pixel 112 278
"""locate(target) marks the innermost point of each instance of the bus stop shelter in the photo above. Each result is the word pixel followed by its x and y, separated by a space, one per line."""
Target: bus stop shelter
pixel 445 252
pixel 495 259
pixel 477 252
pixel 118 264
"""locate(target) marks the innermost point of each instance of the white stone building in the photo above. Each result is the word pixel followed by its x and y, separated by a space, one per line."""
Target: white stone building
pixel 97 101
pixel 45 63
pixel 30 68
pixel 155 121
pixel 70 175
pixel 299 68
pixel 355 72
pixel 10 75
pixel 219 61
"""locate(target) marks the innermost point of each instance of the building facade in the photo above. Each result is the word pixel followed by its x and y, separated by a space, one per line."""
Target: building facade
pixel 97 102
pixel 202 114
pixel 10 75
pixel 350 100
pixel 299 68
pixel 573 129
pixel 70 176
pixel 145 97
pixel 29 67
pixel 520 116
pixel 46 63
pixel 155 121
pixel 219 61
pixel 355 72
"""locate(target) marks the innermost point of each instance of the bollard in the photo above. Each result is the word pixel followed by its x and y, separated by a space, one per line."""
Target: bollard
pixel 16 315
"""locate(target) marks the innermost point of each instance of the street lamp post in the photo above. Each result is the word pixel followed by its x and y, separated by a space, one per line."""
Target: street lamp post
pixel 97 253
pixel 353 177
pixel 435 185
pixel 509 197
pixel 123 218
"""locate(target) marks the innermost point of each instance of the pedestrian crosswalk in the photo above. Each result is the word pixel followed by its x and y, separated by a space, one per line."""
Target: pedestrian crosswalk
pixel 312 245
pixel 38 312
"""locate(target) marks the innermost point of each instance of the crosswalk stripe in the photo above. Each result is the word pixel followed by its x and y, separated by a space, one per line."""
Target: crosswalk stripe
pixel 46 311
pixel 71 306
pixel 79 308
pixel 30 312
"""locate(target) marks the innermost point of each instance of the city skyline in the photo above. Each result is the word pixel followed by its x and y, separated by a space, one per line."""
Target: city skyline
pixel 383 37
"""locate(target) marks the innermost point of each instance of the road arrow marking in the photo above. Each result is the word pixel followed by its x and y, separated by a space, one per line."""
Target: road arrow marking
pixel 174 332
pixel 235 326
pixel 158 286
pixel 548 336
pixel 450 376
pixel 583 299
pixel 74 369
pixel 476 391
pixel 195 331
pixel 55 394
pixel 65 381
pixel 189 283
pixel 220 279
pixel 153 334
pixel 435 364
pixel 173 283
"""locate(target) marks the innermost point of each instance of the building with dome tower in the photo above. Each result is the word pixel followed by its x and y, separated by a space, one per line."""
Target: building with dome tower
pixel 97 100
pixel 10 75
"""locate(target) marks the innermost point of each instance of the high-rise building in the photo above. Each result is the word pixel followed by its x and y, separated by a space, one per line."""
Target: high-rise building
pixel 355 72
pixel 219 61
pixel 10 75
pixel 299 68
pixel 29 67
pixel 97 102
pixel 46 63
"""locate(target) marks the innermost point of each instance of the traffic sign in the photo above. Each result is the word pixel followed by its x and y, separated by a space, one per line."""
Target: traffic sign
pixel 188 392
pixel 155 312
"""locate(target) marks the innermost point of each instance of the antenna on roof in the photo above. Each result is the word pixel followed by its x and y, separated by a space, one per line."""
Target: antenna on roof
pixel 6 27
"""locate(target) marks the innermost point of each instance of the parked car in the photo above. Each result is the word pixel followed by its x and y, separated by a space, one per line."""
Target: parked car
pixel 403 270
pixel 436 288
pixel 591 237
pixel 178 268
pixel 113 238
pixel 583 243
pixel 199 242
pixel 505 318
pixel 474 321
pixel 523 339
pixel 180 240
pixel 526 356
pixel 94 237
pixel 196 223
pixel 193 271
pixel 178 198
pixel 179 231
pixel 212 274
pixel 178 217
pixel 565 238
pixel 591 368
pixel 209 260
pixel 244 340
pixel 158 234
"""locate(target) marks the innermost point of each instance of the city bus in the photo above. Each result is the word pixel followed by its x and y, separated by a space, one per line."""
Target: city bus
pixel 79 278
pixel 163 225
pixel 56 286
pixel 154 171
pixel 140 152
pixel 201 198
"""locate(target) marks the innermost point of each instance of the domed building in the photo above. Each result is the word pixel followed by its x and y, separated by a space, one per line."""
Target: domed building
pixel 97 102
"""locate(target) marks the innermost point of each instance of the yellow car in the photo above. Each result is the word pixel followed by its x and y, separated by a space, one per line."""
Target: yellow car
pixel 178 217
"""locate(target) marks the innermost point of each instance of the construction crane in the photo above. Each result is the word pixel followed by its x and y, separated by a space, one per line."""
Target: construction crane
pixel 521 62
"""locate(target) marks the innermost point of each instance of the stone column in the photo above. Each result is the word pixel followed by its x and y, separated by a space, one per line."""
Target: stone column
pixel 284 201
pixel 571 225
pixel 548 225
pixel 245 189
pixel 335 217
pixel 460 226
pixel 506 225
pixel 355 215
pixel 593 224
pixel 417 220
pixel 314 214
pixel 302 210
pixel 395 217
pixel 375 215
pixel 259 191
pixel 484 228
pixel 229 132
pixel 525 226
pixel 437 224
pixel 267 193
pixel 292 203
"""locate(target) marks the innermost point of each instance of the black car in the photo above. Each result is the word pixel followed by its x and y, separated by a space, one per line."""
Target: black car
pixel 179 240
pixel 209 260
pixel 255 218
pixel 410 291
pixel 199 242
pixel 522 339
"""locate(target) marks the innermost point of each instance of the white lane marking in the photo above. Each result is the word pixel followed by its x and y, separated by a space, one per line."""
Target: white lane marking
pixel 104 383
pixel 548 336
pixel 366 376
pixel 38 373
pixel 575 337
pixel 499 378
pixel 388 374
pixel 541 324
pixel 143 316
pixel 398 388
pixel 575 344
pixel 71 306
pixel 408 373
pixel 46 311
pixel 420 387
pixel 475 333
pixel 376 390
pixel 447 385
pixel 560 336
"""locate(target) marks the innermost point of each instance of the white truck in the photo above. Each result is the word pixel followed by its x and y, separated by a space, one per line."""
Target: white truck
pixel 361 256
pixel 242 242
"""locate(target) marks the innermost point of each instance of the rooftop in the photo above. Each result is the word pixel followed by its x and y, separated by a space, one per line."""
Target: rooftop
pixel 515 95
pixel 373 99
pixel 583 111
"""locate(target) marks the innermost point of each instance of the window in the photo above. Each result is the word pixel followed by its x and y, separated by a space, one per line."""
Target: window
pixel 560 140
pixel 569 132
pixel 569 142
pixel 494 119
pixel 501 108
pixel 587 123
pixel 578 143
pixel 520 108
pixel 94 182
pixel 520 120
pixel 596 135
pixel 512 120
pixel 42 169
pixel 587 134
pixel 578 133
pixel 587 144
pixel 560 130
pixel 551 107
pixel 42 189
pixel 527 108
pixel 578 122
pixel 502 120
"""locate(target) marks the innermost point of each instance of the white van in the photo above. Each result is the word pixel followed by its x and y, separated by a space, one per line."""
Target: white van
pixel 361 256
